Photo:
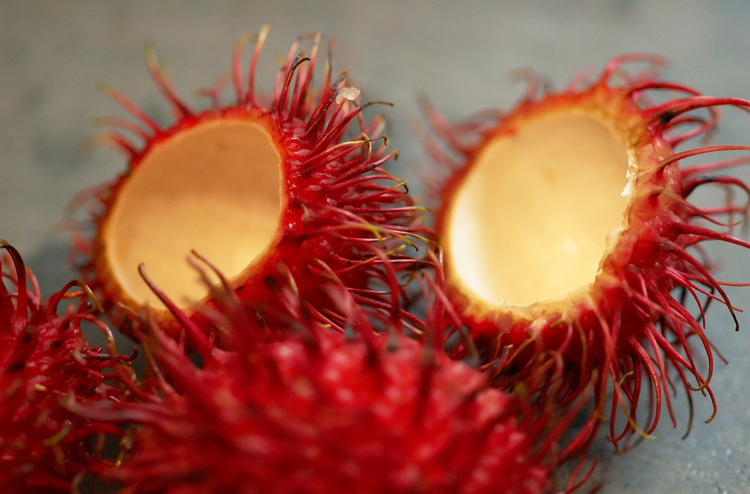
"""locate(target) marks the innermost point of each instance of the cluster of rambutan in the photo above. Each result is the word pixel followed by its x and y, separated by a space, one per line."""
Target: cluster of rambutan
pixel 310 376
pixel 302 406
pixel 266 263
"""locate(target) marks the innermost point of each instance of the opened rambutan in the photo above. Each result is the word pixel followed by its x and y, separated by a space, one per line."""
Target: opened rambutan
pixel 322 411
pixel 266 187
pixel 569 237
pixel 44 359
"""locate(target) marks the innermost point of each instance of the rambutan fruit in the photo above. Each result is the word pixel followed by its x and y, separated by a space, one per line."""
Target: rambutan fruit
pixel 44 360
pixel 570 238
pixel 323 411
pixel 266 188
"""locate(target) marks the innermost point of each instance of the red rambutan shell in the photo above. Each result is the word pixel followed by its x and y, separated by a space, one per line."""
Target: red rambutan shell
pixel 622 324
pixel 302 175
pixel 322 411
pixel 45 361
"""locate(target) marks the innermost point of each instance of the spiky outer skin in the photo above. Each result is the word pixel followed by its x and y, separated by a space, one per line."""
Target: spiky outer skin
pixel 44 361
pixel 327 412
pixel 344 214
pixel 627 328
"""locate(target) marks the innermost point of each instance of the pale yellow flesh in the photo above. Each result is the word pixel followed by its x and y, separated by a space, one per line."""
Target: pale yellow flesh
pixel 530 221
pixel 213 188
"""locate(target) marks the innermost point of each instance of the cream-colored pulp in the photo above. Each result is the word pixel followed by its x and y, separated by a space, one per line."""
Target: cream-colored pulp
pixel 213 188
pixel 529 222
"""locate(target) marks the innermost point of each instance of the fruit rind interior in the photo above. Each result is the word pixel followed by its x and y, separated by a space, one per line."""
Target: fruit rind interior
pixel 537 209
pixel 214 188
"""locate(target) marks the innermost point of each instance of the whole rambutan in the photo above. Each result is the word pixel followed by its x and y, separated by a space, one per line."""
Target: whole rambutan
pixel 322 411
pixel 570 238
pixel 44 359
pixel 291 184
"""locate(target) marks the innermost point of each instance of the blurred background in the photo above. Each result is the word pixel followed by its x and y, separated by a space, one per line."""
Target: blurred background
pixel 53 56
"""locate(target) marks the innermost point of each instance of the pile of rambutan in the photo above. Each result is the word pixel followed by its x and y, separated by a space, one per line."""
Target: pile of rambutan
pixel 304 328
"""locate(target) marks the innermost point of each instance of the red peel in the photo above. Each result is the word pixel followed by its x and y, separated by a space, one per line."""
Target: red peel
pixel 625 324
pixel 310 189
pixel 318 410
pixel 45 363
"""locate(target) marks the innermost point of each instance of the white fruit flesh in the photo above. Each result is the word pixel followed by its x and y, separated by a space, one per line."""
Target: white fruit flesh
pixel 530 221
pixel 213 188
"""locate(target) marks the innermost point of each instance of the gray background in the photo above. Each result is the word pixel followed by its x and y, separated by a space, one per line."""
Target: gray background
pixel 54 54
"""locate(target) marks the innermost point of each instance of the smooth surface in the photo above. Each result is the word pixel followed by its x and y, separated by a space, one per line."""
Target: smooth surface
pixel 54 54
pixel 212 189
pixel 546 197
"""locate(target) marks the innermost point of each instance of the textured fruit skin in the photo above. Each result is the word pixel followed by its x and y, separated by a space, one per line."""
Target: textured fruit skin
pixel 632 328
pixel 323 411
pixel 344 214
pixel 44 362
